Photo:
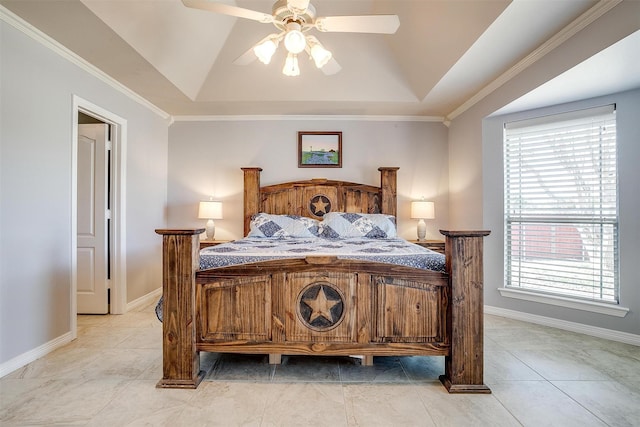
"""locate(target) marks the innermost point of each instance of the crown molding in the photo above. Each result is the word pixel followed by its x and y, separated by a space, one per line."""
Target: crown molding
pixel 591 15
pixel 243 118
pixel 29 30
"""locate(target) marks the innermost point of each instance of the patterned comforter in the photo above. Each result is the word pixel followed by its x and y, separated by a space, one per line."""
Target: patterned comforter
pixel 391 251
pixel 247 250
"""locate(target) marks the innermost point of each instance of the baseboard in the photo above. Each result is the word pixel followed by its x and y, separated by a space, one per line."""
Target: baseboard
pixel 593 331
pixel 144 300
pixel 35 354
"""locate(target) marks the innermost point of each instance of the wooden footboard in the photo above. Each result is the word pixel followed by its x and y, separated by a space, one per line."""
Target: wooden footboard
pixel 324 306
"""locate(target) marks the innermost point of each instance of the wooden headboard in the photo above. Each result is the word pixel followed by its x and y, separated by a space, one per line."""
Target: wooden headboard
pixel 313 198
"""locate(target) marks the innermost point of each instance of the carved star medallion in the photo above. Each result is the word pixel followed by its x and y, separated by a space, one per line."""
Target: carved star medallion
pixel 320 205
pixel 320 306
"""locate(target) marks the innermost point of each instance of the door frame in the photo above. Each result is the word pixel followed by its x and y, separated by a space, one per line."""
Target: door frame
pixel 118 285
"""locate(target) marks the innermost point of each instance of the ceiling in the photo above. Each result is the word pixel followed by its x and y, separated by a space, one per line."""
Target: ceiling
pixel 181 59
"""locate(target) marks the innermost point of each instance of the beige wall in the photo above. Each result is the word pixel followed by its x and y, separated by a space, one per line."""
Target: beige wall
pixel 205 159
pixel 475 162
pixel 465 133
pixel 37 87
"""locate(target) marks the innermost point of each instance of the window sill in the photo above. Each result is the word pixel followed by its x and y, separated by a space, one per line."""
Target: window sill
pixel 595 307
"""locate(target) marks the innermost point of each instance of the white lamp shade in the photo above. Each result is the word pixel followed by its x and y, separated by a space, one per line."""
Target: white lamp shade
pixel 423 210
pixel 265 50
pixel 291 67
pixel 320 55
pixel 210 210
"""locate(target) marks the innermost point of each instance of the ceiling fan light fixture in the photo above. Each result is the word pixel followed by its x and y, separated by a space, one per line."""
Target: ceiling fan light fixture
pixel 291 67
pixel 319 54
pixel 265 50
pixel 294 40
pixel 294 18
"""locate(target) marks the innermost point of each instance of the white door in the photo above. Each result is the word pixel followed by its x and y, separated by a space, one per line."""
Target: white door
pixel 93 254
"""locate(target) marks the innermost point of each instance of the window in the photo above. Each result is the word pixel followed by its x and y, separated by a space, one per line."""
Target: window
pixel 561 209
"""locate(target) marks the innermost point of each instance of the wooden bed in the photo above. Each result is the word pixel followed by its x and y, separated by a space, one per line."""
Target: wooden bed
pixel 388 310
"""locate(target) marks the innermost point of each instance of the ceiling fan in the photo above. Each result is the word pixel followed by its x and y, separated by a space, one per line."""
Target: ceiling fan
pixel 293 19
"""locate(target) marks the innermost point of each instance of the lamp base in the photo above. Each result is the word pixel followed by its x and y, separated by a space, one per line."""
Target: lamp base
pixel 210 230
pixel 422 230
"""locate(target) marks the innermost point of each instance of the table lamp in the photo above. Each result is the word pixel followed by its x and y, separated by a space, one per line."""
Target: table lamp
pixel 422 210
pixel 210 210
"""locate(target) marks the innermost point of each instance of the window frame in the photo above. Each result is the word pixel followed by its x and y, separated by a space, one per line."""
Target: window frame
pixel 555 297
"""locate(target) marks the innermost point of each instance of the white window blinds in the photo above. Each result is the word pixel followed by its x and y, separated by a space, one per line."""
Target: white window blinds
pixel 561 216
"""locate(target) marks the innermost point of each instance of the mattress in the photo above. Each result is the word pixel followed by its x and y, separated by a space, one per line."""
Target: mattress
pixel 390 251
pixel 248 250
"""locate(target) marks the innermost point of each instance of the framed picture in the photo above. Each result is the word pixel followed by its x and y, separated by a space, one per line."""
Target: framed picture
pixel 319 149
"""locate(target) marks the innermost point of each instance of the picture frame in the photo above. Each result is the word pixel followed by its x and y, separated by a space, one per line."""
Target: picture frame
pixel 319 149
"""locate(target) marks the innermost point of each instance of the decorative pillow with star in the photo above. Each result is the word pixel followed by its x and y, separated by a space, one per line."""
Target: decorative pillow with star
pixel 340 225
pixel 283 226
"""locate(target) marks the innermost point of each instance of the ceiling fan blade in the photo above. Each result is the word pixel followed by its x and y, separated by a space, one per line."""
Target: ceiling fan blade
pixel 225 9
pixel 332 67
pixel 246 58
pixel 380 24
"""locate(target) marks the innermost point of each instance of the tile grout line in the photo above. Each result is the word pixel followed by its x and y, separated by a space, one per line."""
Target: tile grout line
pixel 551 383
pixel 578 403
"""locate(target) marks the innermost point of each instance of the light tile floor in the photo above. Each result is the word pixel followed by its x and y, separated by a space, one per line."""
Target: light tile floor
pixel 539 377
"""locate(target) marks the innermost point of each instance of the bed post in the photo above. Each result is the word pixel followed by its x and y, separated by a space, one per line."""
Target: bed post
pixel 251 195
pixel 388 190
pixel 180 359
pixel 465 313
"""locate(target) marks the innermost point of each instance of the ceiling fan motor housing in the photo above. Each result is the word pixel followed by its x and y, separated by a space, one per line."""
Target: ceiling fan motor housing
pixel 282 15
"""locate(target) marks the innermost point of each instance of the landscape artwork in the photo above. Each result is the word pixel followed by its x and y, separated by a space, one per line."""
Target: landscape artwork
pixel 319 149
